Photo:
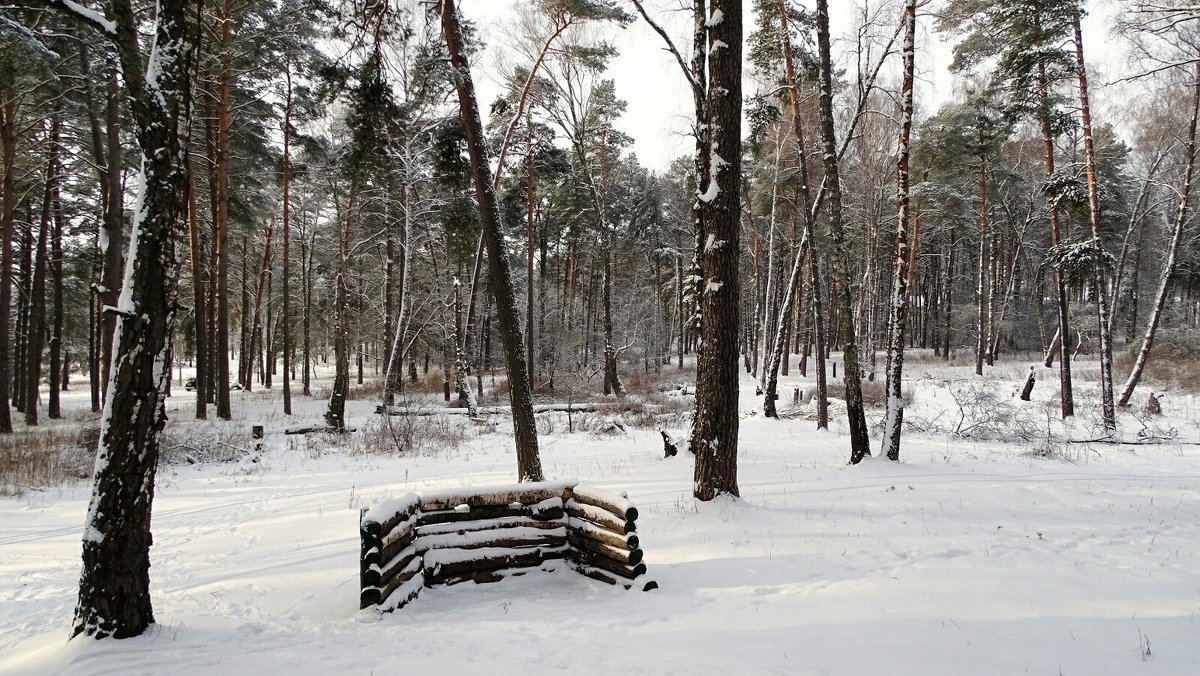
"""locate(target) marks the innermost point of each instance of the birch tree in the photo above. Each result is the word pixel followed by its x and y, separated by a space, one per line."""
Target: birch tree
pixel 894 420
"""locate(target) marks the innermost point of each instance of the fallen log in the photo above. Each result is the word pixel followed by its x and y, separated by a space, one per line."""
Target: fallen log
pixel 310 429
pixel 480 525
pixel 507 538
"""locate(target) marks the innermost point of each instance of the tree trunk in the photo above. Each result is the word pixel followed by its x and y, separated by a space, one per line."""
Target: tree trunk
pixel 714 432
pixel 1067 401
pixel 58 355
pixel 8 138
pixel 221 218
pixel 893 421
pixel 114 591
pixel 1107 409
pixel 981 278
pixel 778 346
pixel 335 414
pixel 286 312
pixel 856 415
pixel 112 237
pixel 393 379
pixel 37 293
pixel 529 464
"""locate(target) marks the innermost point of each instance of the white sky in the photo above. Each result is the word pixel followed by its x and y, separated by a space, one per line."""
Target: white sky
pixel 659 104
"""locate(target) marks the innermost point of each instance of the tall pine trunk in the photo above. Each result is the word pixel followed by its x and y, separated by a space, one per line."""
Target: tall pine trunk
pixel 714 433
pixel 1067 399
pixel 37 294
pixel 114 587
pixel 855 413
pixel 529 464
pixel 1107 409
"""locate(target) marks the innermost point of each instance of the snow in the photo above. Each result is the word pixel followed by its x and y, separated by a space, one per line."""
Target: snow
pixel 389 508
pixel 90 15
pixel 714 19
pixel 967 557
pixel 713 287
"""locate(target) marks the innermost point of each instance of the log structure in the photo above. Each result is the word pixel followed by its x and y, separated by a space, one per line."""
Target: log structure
pixel 414 542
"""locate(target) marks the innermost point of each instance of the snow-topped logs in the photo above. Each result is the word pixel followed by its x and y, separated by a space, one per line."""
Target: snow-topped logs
pixel 412 542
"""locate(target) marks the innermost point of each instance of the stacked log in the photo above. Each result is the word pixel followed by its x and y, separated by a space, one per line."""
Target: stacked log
pixel 475 537
pixel 447 538
pixel 390 573
pixel 602 531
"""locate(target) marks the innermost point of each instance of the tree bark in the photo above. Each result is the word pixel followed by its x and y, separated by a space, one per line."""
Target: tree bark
pixel 220 347
pixel 286 311
pixel 894 420
pixel 59 365
pixel 856 415
pixel 1107 409
pixel 981 277
pixel 37 292
pixel 8 138
pixel 714 432
pixel 1067 400
pixel 529 464
pixel 114 591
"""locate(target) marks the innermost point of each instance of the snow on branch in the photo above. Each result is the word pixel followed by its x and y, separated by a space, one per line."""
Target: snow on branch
pixel 87 15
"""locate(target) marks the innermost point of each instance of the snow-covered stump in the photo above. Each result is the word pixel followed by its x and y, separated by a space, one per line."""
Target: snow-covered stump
pixel 450 537
pixel 1027 389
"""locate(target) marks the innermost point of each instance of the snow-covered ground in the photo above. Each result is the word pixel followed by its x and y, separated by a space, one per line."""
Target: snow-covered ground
pixel 968 557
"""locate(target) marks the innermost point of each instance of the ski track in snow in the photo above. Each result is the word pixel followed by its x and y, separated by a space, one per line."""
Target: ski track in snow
pixel 965 558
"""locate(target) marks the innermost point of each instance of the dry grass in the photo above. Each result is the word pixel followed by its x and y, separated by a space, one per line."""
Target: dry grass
pixel 874 393
pixel 34 458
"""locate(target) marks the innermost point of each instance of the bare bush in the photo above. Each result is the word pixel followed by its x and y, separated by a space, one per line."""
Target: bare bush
pixel 980 412
pixel 192 445
pixel 410 435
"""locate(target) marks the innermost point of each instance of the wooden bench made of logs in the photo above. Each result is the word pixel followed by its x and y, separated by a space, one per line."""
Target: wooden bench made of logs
pixel 413 542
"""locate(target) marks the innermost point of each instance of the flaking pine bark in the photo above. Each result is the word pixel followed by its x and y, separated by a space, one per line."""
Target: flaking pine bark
pixel 529 464
pixel 114 586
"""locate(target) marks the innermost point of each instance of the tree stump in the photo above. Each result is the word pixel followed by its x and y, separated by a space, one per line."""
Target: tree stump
pixel 1152 405
pixel 670 449
pixel 1027 390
